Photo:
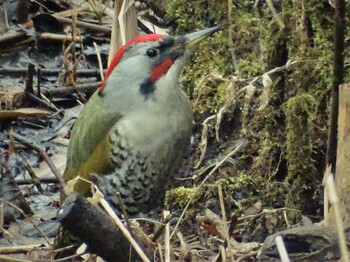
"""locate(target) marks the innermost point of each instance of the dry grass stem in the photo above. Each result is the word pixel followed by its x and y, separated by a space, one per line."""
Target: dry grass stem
pixel 125 215
pixel 245 257
pixel 124 230
pixel 204 141
pixel 116 41
pixel 58 250
pixel 122 17
pixel 11 259
pixel 216 258
pixel 222 204
pixel 281 68
pixel 268 211
pixel 43 97
pixel 100 67
pixel 160 252
pixel 230 37
pixel 224 220
pixel 71 11
pixel 333 200
pixel 286 218
pixel 230 97
pixel 1 213
pixel 184 248
pixel 222 253
pixel 97 7
pixel 167 238
pixel 4 20
pixel 204 80
pixel 281 249
pixel 325 197
pixel 69 258
pixel 275 14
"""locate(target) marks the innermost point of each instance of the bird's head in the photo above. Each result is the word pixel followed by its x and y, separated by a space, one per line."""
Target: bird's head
pixel 148 67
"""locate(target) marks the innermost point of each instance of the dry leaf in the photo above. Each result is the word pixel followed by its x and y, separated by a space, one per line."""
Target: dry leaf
pixel 265 95
pixel 96 196
pixel 264 98
pixel 266 80
pixel 69 188
pixel 250 90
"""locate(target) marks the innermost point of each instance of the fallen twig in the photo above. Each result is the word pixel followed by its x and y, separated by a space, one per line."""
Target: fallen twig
pixel 42 102
pixel 13 37
pixel 85 25
pixel 22 249
pixel 65 91
pixel 125 215
pixel 35 179
pixel 61 37
pixel 47 72
pixel 30 221
pixel 29 78
pixel 47 159
pixel 45 180
pixel 161 228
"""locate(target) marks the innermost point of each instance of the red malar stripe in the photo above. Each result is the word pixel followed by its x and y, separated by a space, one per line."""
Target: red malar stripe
pixel 161 69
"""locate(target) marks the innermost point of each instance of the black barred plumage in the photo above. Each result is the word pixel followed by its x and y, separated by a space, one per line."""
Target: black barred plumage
pixel 134 177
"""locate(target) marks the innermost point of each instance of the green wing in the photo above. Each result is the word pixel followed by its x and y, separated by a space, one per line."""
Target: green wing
pixel 89 145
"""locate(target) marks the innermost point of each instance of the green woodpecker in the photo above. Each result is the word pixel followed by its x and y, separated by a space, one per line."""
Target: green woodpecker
pixel 132 134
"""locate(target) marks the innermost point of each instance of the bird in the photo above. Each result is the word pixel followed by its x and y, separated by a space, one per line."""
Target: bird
pixel 131 136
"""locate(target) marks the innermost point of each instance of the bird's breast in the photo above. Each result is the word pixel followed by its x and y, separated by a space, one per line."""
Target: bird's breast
pixel 155 131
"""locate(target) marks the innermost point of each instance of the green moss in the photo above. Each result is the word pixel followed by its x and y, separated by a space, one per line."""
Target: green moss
pixel 180 196
pixel 286 153
pixel 300 114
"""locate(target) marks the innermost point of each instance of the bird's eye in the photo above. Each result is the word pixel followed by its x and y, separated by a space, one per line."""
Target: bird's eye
pixel 152 52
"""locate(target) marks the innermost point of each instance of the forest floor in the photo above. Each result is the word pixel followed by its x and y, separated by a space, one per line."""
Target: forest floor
pixel 45 79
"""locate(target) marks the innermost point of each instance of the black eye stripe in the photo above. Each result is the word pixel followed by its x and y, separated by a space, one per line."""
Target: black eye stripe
pixel 166 43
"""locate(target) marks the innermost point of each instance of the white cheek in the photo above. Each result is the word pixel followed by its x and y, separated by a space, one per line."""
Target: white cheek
pixel 134 69
pixel 122 90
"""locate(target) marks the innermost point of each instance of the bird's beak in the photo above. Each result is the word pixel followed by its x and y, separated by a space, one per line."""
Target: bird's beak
pixel 185 42
pixel 194 38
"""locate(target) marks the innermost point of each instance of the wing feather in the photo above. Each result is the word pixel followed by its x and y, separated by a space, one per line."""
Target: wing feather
pixel 89 146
